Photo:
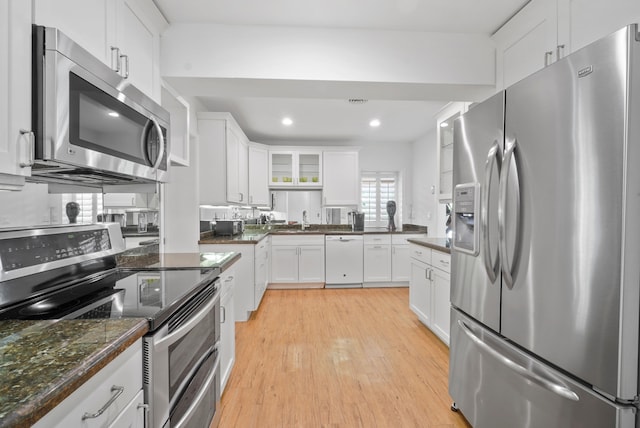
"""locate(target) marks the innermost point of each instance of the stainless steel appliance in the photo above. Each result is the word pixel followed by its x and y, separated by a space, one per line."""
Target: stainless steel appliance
pixel 357 221
pixel 344 261
pixel 228 227
pixel 91 125
pixel 70 272
pixel 546 281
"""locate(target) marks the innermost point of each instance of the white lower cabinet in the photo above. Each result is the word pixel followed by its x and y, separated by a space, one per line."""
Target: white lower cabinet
pixel 387 259
pixel 297 259
pixel 227 327
pixel 429 289
pixel 250 283
pixel 400 263
pixel 116 390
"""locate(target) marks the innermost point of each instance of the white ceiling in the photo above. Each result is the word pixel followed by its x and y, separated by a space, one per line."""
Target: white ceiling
pixel 334 121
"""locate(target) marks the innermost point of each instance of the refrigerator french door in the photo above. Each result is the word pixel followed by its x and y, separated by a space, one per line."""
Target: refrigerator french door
pixel 546 269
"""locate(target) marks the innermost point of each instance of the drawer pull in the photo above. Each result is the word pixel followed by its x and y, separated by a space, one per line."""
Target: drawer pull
pixel 118 392
pixel 444 262
pixel 229 279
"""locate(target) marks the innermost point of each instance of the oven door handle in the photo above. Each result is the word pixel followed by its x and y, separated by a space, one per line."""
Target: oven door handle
pixel 167 341
pixel 201 395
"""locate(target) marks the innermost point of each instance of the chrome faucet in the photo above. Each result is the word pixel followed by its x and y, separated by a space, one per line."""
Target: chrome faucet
pixel 305 221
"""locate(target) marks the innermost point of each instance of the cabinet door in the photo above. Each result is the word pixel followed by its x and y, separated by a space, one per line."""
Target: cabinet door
pixel 400 263
pixel 227 329
pixel 309 169
pixel 311 263
pixel 341 178
pixel 523 42
pixel 444 130
pixel 284 263
pixel 178 109
pixel 133 415
pixel 281 169
pixel 135 38
pixel 233 157
pixel 420 292
pixel 440 282
pixel 15 87
pixel 377 263
pixel 90 23
pixel 258 176
pixel 243 169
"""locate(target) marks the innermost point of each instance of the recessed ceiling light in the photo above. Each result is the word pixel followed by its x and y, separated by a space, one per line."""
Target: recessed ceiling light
pixel 113 114
pixel 374 123
pixel 444 125
pixel 287 121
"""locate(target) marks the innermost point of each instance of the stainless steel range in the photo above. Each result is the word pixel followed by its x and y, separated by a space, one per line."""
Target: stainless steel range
pixel 70 272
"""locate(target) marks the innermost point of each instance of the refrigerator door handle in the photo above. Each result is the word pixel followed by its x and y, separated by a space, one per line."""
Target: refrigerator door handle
pixel 502 208
pixel 548 384
pixel 493 158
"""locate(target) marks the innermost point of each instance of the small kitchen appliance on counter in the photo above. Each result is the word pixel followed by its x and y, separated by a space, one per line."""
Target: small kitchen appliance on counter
pixel 228 227
pixel 357 221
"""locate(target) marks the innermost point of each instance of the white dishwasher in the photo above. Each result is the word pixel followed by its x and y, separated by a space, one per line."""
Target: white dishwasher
pixel 344 256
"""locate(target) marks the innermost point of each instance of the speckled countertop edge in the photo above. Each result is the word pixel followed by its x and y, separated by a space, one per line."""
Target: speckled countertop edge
pixel 32 408
pixel 439 244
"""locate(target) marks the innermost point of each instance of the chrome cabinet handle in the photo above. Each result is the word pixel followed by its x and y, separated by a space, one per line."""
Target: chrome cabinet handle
pixel 493 158
pixel 223 314
pixel 126 66
pixel 548 384
pixel 161 137
pixel 146 412
pixel 118 392
pixel 559 52
pixel 118 61
pixel 444 262
pixel 31 140
pixel 547 58
pixel 229 278
pixel 502 208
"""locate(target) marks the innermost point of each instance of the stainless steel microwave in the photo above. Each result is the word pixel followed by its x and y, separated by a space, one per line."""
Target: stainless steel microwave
pixel 91 126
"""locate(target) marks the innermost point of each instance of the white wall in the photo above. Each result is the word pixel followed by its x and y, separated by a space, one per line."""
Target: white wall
pixel 426 209
pixel 181 219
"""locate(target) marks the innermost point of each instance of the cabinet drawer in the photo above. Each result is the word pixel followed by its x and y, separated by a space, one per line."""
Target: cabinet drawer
pixel 420 253
pixel 401 239
pixel 125 372
pixel 382 239
pixel 441 261
pixel 297 240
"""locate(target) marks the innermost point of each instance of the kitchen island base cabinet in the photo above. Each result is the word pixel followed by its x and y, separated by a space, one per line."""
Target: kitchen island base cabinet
pixel 122 379
pixel 227 327
pixel 251 274
pixel 429 289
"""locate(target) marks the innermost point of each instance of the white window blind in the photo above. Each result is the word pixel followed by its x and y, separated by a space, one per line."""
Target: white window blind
pixel 90 206
pixel 377 188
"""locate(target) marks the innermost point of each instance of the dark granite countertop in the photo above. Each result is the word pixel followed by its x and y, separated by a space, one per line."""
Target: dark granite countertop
pixel 253 236
pixel 43 362
pixel 439 244
pixel 153 259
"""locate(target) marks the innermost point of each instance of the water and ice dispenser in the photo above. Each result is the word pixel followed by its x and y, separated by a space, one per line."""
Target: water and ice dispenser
pixel 466 210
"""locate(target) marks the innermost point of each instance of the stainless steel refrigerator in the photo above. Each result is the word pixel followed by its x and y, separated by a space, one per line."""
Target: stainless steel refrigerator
pixel 545 283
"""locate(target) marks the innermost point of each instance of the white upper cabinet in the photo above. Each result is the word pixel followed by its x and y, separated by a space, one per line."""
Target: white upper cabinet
pixel 444 131
pixel 178 109
pixel 293 168
pixel 341 178
pixel 223 160
pixel 124 34
pixel 15 86
pixel 258 175
pixel 547 30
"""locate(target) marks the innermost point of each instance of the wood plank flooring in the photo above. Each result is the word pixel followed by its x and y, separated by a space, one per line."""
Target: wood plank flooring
pixel 338 358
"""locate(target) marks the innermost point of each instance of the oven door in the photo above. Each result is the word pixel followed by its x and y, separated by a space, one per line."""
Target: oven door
pixel 180 357
pixel 87 123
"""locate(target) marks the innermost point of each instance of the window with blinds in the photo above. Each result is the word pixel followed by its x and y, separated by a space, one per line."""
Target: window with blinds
pixel 90 206
pixel 376 189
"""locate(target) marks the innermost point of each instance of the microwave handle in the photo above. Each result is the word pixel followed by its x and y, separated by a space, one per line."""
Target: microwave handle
pixel 161 152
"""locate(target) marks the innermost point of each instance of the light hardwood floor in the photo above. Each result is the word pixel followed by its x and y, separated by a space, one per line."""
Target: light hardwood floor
pixel 338 358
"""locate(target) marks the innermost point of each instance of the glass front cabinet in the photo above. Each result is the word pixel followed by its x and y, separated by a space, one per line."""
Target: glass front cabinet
pixel 295 169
